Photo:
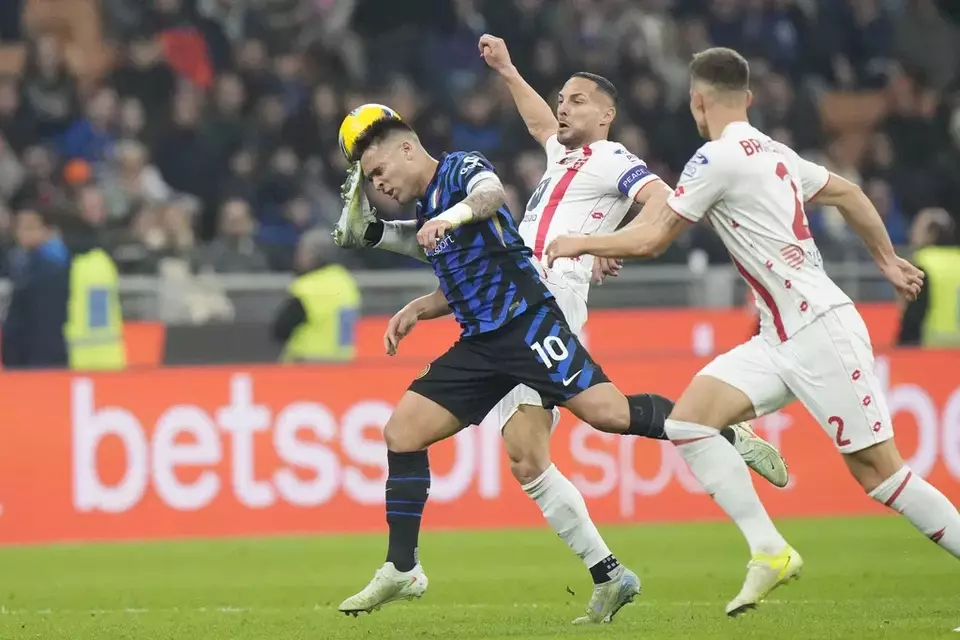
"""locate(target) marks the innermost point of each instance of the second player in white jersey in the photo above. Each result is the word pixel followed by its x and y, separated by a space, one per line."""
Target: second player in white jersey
pixel 752 190
pixel 814 346
pixel 586 189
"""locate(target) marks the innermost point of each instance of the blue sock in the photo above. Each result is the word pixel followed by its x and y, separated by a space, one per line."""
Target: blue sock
pixel 408 485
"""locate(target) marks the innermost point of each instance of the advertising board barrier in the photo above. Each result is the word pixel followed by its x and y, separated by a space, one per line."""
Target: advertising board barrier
pixel 212 451
pixel 657 332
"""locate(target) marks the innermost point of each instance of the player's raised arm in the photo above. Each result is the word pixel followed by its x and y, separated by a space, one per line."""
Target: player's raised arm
pixel 862 216
pixel 536 113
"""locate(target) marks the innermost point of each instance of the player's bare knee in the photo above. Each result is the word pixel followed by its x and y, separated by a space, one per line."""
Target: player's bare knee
pixel 526 470
pixel 529 457
pixel 526 438
pixel 873 465
pixel 603 407
pixel 712 403
pixel 401 437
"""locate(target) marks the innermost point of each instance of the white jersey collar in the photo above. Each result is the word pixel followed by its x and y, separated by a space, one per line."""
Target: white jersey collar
pixel 733 128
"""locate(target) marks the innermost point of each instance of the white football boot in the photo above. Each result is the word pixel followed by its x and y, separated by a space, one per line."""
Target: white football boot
pixel 357 214
pixel 388 585
pixel 760 455
pixel 608 598
pixel 764 574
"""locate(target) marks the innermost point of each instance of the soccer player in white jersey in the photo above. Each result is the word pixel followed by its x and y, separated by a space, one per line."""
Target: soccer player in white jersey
pixel 813 344
pixel 589 185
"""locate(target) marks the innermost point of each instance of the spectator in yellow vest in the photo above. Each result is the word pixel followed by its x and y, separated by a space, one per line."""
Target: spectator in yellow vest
pixel 317 321
pixel 933 319
pixel 94 326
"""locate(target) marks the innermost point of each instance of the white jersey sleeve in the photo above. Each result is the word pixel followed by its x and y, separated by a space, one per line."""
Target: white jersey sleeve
pixel 701 184
pixel 631 173
pixel 812 176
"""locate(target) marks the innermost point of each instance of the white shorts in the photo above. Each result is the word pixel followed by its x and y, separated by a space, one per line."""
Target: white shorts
pixel 827 365
pixel 574 309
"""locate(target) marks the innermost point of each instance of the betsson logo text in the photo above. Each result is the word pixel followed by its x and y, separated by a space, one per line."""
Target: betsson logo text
pixel 318 456
pixel 303 435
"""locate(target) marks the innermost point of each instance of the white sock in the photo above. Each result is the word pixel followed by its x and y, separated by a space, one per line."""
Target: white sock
pixel 400 236
pixel 722 472
pixel 926 508
pixel 563 507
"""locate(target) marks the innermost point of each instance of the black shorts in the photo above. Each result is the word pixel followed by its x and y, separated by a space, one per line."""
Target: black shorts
pixel 536 348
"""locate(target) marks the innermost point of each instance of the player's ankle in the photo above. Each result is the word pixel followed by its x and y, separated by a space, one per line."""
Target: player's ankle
pixel 602 572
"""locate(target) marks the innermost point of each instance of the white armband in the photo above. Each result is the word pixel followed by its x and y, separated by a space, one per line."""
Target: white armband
pixel 457 215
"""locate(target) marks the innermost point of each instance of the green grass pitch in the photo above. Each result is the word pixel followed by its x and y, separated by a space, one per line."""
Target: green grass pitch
pixel 864 578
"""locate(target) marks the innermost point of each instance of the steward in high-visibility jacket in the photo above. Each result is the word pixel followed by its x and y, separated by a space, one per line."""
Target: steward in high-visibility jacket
pixel 317 323
pixel 933 319
pixel 941 322
pixel 94 328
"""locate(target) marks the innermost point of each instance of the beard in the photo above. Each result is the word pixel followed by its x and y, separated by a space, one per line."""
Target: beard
pixel 568 137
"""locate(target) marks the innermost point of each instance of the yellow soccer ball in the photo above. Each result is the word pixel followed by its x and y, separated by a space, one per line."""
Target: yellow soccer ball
pixel 358 121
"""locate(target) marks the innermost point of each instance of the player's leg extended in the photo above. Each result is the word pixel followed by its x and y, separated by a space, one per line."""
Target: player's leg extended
pixel 833 375
pixel 645 415
pixel 648 417
pixel 738 385
pixel 526 436
pixel 416 423
pixel 707 403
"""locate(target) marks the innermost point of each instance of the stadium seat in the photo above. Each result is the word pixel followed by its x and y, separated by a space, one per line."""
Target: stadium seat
pixel 77 24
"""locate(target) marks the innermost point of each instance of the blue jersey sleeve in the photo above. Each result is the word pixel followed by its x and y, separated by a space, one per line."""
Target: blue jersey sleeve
pixel 464 168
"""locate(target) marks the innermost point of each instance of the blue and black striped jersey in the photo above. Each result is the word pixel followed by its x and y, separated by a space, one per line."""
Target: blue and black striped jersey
pixel 484 268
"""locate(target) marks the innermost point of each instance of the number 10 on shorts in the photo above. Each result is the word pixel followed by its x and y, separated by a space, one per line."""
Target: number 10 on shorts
pixel 551 350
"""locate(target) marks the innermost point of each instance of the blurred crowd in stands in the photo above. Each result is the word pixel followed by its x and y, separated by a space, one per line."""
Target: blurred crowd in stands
pixel 212 137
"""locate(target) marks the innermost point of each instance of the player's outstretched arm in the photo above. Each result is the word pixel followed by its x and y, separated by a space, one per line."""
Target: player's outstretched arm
pixel 859 212
pixel 647 236
pixel 536 113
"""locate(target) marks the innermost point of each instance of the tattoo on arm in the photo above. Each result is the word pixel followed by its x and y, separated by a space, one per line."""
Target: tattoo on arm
pixel 485 200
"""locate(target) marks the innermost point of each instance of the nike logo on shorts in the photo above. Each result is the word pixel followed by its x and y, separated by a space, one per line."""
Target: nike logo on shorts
pixel 567 381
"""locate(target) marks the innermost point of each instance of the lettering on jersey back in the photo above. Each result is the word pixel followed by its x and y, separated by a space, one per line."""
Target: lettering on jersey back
pixel 751 146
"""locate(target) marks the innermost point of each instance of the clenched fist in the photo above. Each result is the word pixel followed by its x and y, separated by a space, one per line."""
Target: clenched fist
pixel 494 52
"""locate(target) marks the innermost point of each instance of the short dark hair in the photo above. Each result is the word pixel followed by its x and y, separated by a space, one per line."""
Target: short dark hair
pixel 944 232
pixel 377 132
pixel 42 211
pixel 722 68
pixel 604 85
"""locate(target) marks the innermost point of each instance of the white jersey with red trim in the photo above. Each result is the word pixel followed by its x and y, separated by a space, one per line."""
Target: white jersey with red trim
pixel 752 190
pixel 584 190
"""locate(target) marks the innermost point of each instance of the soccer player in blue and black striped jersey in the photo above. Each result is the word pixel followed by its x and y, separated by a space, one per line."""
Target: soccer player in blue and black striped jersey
pixel 513 333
